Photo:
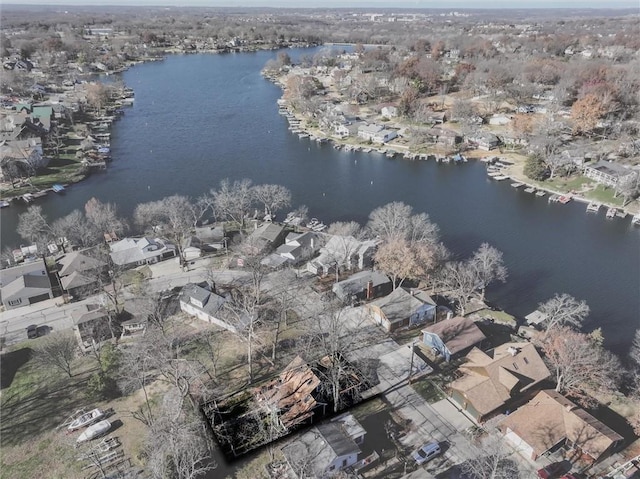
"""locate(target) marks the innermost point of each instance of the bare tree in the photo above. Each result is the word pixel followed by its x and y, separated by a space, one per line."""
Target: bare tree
pixel 459 281
pixel 628 187
pixel 491 458
pixel 34 227
pixel 402 260
pixel 174 216
pixel 177 446
pixel 75 228
pixel 578 362
pixel 58 350
pixel 103 217
pixel 397 220
pixel 489 267
pixel 564 310
pixel 233 201
pixel 272 197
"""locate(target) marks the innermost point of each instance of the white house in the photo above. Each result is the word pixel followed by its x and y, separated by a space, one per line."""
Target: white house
pixel 607 173
pixel 132 252
pixel 200 301
pixel 326 449
pixel 389 111
pixel 25 284
pixel 376 133
pixel 343 252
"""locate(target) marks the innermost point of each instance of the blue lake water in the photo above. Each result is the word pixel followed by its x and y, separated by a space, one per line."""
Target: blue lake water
pixel 198 119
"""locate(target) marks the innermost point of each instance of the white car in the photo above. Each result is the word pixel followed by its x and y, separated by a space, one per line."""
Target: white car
pixel 426 452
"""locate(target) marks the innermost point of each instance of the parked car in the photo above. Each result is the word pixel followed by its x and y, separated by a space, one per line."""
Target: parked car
pixel 427 452
pixel 32 331
pixel 552 471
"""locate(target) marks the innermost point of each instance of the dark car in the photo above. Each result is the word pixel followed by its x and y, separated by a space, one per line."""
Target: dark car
pixel 555 469
pixel 32 331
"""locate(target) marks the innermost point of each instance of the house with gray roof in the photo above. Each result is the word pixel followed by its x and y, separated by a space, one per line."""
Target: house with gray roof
pixel 401 308
pixel 607 172
pixel 326 449
pixel 266 237
pixel 25 284
pixel 297 248
pixel 364 285
pixel 343 252
pixel 201 301
pixel 131 252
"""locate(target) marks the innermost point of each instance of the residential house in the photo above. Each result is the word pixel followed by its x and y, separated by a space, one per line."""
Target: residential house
pixel 389 111
pixel 131 252
pixel 297 248
pixel 24 155
pixel 442 136
pixel 435 117
pixel 607 173
pixel 452 337
pixel 91 326
pixel 364 285
pixel 344 252
pixel 376 133
pixel 200 300
pixel 326 449
pixel 25 284
pixel 266 237
pixel 77 271
pixel 564 424
pixel 402 308
pixel 492 381
pixel 484 140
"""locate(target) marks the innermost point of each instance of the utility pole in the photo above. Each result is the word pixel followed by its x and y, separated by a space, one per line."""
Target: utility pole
pixel 413 352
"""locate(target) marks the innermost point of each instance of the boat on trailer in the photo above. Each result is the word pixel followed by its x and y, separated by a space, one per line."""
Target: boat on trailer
pixel 85 419
pixel 92 432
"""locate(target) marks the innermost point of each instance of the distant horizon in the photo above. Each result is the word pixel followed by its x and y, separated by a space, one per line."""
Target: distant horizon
pixel 336 4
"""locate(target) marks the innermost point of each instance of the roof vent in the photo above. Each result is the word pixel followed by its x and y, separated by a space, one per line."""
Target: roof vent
pixel 513 351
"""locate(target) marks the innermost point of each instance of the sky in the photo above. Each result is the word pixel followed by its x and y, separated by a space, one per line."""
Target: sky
pixel 446 4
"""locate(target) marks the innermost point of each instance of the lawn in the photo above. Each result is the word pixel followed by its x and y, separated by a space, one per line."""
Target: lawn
pixel 428 390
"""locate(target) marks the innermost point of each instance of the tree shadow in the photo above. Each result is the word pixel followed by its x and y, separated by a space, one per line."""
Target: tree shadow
pixel 10 364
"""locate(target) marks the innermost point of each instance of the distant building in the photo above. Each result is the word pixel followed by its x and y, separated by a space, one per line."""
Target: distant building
pixel 606 172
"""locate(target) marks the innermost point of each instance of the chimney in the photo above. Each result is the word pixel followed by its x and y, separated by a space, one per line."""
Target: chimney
pixel 449 315
pixel 369 289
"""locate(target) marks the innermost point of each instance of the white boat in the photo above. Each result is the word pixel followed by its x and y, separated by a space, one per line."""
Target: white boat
pixel 611 213
pixel 529 190
pixel 28 197
pixel 92 432
pixel 85 419
pixel 540 193
pixel 4 203
pixel 593 207
pixel 635 220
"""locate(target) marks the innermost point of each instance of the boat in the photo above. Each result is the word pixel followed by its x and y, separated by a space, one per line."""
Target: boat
pixel 564 199
pixel 635 220
pixel 92 432
pixel 517 184
pixel 57 188
pixel 4 203
pixel 85 419
pixel 540 193
pixel 593 207
pixel 554 198
pixel 611 212
pixel 28 197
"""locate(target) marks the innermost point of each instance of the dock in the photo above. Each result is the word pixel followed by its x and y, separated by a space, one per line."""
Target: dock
pixel 529 190
pixel 593 207
pixel 517 184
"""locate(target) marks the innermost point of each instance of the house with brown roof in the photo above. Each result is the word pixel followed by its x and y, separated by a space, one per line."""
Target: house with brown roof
pixel 550 420
pixel 452 337
pixel 494 380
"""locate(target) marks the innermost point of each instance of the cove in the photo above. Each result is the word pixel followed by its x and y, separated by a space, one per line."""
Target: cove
pixel 198 119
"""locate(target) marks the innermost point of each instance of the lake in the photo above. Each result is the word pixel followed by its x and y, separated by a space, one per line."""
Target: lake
pixel 198 119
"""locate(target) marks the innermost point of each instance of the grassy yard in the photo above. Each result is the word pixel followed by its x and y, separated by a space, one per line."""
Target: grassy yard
pixel 428 390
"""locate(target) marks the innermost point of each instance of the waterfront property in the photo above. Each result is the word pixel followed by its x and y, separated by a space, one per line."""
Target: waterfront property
pixel 452 337
pixel 343 252
pixel 91 326
pixel 131 252
pixel 563 423
pixel 494 380
pixel 606 172
pixel 402 308
pixel 376 133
